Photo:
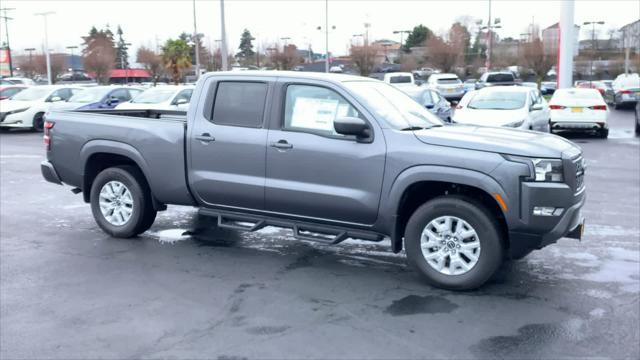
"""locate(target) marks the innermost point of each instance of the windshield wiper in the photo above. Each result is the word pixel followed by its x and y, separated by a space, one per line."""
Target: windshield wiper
pixel 412 128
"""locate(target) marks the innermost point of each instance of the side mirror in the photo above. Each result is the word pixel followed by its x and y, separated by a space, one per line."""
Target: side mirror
pixel 536 107
pixel 352 126
pixel 429 106
pixel 112 101
pixel 55 99
pixel 181 101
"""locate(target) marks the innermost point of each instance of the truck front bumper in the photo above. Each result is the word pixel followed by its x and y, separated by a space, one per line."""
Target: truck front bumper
pixel 543 230
pixel 49 173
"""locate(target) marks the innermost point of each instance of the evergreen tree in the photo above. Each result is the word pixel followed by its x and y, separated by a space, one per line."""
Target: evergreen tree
pixel 122 57
pixel 417 37
pixel 246 53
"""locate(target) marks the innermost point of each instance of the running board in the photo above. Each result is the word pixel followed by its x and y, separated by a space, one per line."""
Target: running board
pixel 326 234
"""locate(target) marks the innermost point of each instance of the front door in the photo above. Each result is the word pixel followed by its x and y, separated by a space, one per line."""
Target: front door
pixel 227 145
pixel 314 172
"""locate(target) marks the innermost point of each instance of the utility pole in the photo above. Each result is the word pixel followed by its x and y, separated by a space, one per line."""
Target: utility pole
pixel 326 35
pixel 46 42
pixel 593 45
pixel 565 45
pixel 71 48
pixel 223 43
pixel 196 39
pixel 6 31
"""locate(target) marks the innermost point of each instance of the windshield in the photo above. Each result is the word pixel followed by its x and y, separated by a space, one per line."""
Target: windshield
pixel 400 79
pixel 398 109
pixel 89 95
pixel 498 100
pixel 423 97
pixel 31 94
pixel 449 81
pixel 500 78
pixel 154 96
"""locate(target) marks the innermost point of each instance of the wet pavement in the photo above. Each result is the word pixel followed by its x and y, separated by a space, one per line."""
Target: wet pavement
pixel 183 290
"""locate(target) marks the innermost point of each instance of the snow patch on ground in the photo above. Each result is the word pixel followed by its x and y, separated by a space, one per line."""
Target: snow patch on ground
pixel 607 230
pixel 171 235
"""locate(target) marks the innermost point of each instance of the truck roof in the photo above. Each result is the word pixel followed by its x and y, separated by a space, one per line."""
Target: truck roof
pixel 332 77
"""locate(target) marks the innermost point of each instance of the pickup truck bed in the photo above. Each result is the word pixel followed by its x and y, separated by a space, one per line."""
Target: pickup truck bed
pixel 155 138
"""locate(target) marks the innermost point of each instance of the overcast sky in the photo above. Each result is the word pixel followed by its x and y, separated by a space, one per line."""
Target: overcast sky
pixel 149 22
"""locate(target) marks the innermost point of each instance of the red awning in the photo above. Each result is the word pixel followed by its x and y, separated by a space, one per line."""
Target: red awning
pixel 132 73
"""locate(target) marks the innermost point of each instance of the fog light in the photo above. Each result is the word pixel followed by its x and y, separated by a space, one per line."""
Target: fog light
pixel 547 211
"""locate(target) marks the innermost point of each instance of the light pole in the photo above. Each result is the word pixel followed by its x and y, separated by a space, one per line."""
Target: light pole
pixel 593 45
pixel 223 43
pixel 357 35
pixel 401 32
pixel 196 38
pixel 46 42
pixel 285 39
pixel 71 48
pixel 6 30
pixel 30 51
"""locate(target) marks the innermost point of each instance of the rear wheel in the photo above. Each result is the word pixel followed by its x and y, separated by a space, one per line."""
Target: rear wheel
pixel 454 243
pixel 121 202
pixel 603 133
pixel 38 122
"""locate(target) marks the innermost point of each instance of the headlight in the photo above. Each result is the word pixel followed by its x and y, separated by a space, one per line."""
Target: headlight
pixel 548 170
pixel 515 124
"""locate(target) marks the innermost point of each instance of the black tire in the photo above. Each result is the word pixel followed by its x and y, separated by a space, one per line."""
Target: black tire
pixel 143 213
pixel 476 215
pixel 38 122
pixel 603 133
pixel 637 127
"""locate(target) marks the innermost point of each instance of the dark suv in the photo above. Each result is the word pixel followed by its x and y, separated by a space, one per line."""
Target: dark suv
pixel 495 79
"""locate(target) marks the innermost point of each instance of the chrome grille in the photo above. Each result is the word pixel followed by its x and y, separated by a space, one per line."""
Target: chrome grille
pixel 580 168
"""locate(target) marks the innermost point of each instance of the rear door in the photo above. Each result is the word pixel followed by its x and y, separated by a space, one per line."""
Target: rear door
pixel 227 143
pixel 311 170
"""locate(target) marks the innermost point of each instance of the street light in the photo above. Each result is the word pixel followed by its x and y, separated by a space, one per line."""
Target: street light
pixel 593 45
pixel 196 38
pixel 73 47
pixel 401 32
pixel 358 35
pixel 46 42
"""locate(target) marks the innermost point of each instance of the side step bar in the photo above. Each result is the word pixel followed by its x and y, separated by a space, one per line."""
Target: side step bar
pixel 326 234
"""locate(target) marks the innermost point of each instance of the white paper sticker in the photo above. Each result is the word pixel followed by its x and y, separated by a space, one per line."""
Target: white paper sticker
pixel 312 113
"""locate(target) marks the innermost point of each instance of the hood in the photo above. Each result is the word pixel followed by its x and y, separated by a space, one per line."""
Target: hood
pixel 489 117
pixel 499 140
pixel 10 105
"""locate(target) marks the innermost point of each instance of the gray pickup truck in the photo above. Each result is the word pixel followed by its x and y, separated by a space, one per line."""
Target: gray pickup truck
pixel 332 157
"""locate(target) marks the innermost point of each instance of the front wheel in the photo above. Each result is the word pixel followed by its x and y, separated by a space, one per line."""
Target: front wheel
pixel 454 243
pixel 121 202
pixel 38 122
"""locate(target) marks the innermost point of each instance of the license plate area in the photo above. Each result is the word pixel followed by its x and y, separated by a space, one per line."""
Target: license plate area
pixel 576 109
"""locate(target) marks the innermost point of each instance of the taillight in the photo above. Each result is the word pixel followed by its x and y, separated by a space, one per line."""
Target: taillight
pixel 557 107
pixel 625 91
pixel 48 125
pixel 598 107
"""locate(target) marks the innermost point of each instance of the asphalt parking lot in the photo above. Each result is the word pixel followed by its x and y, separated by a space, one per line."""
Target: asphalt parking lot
pixel 181 290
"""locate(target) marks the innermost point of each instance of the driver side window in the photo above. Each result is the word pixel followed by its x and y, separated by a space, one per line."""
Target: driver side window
pixel 313 109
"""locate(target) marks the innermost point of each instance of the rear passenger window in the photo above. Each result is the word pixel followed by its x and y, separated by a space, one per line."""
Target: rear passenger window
pixel 239 104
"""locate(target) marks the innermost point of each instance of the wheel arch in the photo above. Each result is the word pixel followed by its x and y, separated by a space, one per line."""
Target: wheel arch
pixel 419 184
pixel 98 155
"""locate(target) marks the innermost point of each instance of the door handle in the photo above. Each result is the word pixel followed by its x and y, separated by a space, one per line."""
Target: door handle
pixel 282 145
pixel 205 137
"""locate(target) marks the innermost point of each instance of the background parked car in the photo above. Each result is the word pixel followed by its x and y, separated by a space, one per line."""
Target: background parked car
pixel 496 78
pixel 20 81
pixel 449 85
pixel 548 87
pixel 579 109
pixel 169 97
pixel 7 91
pixel 508 106
pixel 598 85
pixel 27 108
pixel 98 97
pixel 626 89
pixel 434 102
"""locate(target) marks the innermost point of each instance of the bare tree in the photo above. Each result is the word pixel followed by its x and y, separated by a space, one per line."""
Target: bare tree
pixel 58 62
pixel 535 59
pixel 28 67
pixel 151 61
pixel 409 62
pixel 286 58
pixel 99 54
pixel 441 54
pixel 365 57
